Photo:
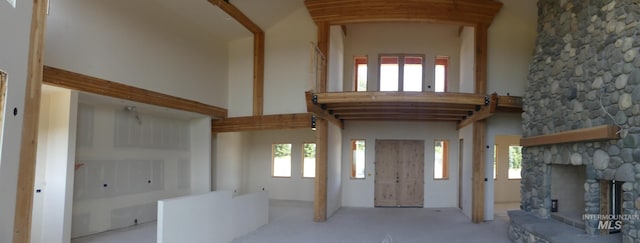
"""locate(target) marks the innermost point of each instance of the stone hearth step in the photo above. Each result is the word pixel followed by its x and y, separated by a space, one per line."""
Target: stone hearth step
pixel 525 227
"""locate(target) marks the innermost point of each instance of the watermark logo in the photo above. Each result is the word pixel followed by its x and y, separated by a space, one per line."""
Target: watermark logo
pixel 610 221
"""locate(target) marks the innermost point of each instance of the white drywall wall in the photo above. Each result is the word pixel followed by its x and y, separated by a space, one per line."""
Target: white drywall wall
pixel 288 63
pixel 200 166
pixel 15 24
pixel 437 193
pixel 466 134
pixel 128 165
pixel 336 59
pixel 467 60
pixel 230 155
pixel 334 169
pixel 211 217
pixel 54 176
pixel 138 44
pixel 260 164
pixel 241 77
pixel 511 40
pixel 401 38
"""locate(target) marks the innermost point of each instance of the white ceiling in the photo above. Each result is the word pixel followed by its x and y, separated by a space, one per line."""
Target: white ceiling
pixel 212 22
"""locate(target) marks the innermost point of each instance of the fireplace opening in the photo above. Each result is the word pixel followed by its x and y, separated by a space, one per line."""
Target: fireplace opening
pixel 568 194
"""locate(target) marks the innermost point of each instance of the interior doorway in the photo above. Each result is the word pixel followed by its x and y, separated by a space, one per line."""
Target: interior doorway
pixel 507 162
pixel 399 180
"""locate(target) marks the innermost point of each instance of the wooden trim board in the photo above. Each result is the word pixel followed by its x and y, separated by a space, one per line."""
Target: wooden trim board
pixel 31 116
pixel 599 133
pixel 80 82
pixel 269 122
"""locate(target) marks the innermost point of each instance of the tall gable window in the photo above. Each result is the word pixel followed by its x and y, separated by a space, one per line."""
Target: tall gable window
pixel 360 71
pixel 401 73
pixel 442 64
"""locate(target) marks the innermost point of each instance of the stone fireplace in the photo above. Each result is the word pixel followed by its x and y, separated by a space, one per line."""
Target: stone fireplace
pixel 585 73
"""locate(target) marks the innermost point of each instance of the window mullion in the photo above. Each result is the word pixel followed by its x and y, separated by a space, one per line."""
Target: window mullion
pixel 400 73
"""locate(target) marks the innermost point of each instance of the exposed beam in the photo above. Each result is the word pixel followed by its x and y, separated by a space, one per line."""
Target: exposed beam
pixel 413 97
pixel 599 133
pixel 400 117
pixel 481 40
pixel 478 176
pixel 258 73
pixel 460 12
pixel 320 185
pixel 31 116
pixel 324 33
pixel 268 122
pixel 318 111
pixel 237 15
pixel 485 112
pixel 258 51
pixel 80 82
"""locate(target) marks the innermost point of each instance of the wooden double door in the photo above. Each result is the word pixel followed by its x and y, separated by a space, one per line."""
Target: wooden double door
pixel 399 178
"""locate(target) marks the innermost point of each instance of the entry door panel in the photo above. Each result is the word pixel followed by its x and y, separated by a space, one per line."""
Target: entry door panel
pixel 399 173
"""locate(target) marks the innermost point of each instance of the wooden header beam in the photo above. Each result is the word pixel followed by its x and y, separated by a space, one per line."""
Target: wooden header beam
pixel 460 12
pixel 414 97
pixel 269 122
pixel 599 133
pixel 485 112
pixel 80 82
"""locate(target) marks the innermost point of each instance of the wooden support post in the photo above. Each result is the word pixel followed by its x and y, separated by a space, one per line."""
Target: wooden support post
pixel 479 127
pixel 478 175
pixel 320 189
pixel 31 115
pixel 258 73
pixel 323 45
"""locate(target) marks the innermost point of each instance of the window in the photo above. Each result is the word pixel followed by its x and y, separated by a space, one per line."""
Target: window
pixel 357 159
pixel 281 160
pixel 495 161
pixel 515 162
pixel 309 160
pixel 360 74
pixel 441 160
pixel 401 73
pixel 441 74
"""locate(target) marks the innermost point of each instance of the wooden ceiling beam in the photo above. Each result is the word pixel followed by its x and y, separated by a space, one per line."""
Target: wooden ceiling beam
pixel 392 97
pixel 319 112
pixel 485 112
pixel 84 83
pixel 266 122
pixel 460 12
pixel 236 14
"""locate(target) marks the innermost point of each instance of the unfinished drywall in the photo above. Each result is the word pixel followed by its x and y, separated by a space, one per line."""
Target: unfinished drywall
pixel 288 63
pixel 211 217
pixel 437 193
pixel 130 157
pixel 240 77
pixel 138 44
pixel 511 40
pixel 51 218
pixel 465 134
pixel 260 165
pixel 467 60
pixel 336 59
pixel 334 169
pixel 374 39
pixel 15 24
pixel 231 152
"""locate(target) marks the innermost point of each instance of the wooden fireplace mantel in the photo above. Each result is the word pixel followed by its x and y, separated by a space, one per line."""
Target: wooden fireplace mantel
pixel 599 133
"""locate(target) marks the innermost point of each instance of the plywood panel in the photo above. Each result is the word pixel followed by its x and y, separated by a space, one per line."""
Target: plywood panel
pixel 411 170
pixel 387 177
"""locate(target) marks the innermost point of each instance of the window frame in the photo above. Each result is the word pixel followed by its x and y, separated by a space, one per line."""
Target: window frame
pixel 445 159
pixel 353 173
pixel 302 166
pixel 401 57
pixel 273 160
pixel 509 161
pixel 359 60
pixel 444 61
